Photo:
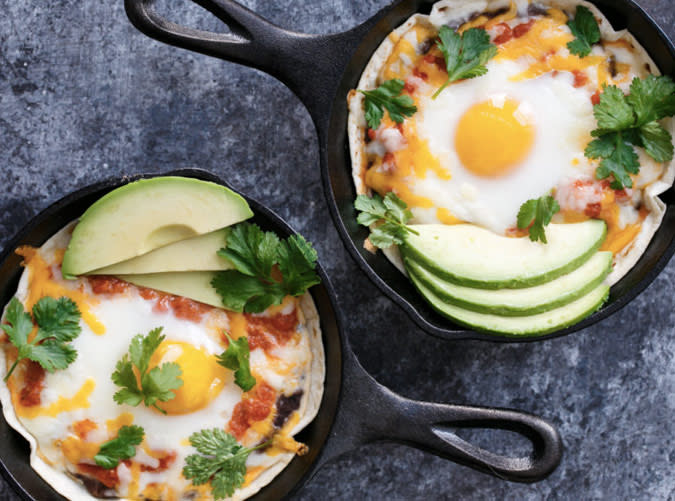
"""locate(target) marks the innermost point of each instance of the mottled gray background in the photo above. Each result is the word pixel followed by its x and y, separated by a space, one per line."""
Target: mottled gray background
pixel 84 96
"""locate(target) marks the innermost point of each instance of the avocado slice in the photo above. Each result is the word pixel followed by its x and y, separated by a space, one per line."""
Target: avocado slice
pixel 192 254
pixel 528 325
pixel 468 255
pixel 518 302
pixel 191 284
pixel 145 215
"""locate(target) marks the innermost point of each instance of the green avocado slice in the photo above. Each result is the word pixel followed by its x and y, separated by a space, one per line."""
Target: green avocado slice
pixel 523 301
pixel 468 255
pixel 529 325
pixel 194 285
pixel 147 214
pixel 192 254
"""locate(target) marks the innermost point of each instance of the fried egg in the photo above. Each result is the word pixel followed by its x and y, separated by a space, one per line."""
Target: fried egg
pixel 483 146
pixel 66 415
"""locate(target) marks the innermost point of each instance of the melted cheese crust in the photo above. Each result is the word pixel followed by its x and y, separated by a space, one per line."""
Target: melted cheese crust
pixel 532 49
pixel 71 412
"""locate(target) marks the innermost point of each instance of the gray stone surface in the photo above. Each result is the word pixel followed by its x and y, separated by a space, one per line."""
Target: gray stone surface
pixel 84 96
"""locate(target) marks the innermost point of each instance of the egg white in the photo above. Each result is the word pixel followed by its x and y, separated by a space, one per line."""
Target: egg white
pixel 561 115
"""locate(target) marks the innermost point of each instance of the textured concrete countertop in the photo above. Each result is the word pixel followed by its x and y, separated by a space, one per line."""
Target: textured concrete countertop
pixel 84 96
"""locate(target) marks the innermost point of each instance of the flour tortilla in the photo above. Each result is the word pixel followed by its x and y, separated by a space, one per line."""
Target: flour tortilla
pixel 455 13
pixel 74 490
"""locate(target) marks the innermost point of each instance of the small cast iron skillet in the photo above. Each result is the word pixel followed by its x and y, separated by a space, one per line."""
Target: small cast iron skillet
pixel 321 69
pixel 355 409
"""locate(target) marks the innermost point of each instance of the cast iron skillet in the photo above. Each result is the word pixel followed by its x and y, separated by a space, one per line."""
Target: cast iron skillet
pixel 355 409
pixel 321 69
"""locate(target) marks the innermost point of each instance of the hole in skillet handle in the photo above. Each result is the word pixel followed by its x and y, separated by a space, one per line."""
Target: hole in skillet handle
pixel 340 192
pixel 15 451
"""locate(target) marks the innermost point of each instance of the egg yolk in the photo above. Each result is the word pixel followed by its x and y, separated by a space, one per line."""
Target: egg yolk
pixel 491 140
pixel 203 378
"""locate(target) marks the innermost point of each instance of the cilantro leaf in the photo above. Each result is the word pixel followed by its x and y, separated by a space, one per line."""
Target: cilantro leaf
pixel 620 162
pixel 536 214
pixel 236 358
pixel 155 385
pixel 58 324
pixel 220 461
pixel 120 448
pixel 254 285
pixel 251 250
pixel 297 261
pixel 613 112
pixel 657 141
pixel 465 55
pixel 392 211
pixel 586 31
pixel 51 354
pixel 57 318
pixel 158 383
pixel 387 96
pixel 238 290
pixel 652 98
pixel 628 121
pixel 125 377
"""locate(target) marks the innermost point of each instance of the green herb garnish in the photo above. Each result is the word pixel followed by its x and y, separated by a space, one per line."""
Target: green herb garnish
pixel 236 358
pixel 58 322
pixel 156 384
pixel 251 287
pixel 632 120
pixel 392 211
pixel 221 461
pixel 537 213
pixel 387 96
pixel 585 28
pixel 120 448
pixel 465 55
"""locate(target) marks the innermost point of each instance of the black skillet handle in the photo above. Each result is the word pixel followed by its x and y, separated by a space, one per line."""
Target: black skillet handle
pixel 310 65
pixel 371 412
pixel 427 426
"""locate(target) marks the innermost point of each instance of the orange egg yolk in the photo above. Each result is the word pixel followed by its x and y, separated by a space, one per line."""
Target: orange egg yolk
pixel 203 378
pixel 492 140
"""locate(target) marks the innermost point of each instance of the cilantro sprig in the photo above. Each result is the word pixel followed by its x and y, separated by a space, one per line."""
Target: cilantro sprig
pixel 236 358
pixel 585 29
pixel 628 121
pixel 156 384
pixel 387 96
pixel 120 448
pixel 537 213
pixel 252 286
pixel 58 322
pixel 392 211
pixel 220 461
pixel 465 55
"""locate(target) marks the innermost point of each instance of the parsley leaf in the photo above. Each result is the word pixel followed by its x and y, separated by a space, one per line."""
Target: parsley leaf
pixel 628 121
pixel 120 448
pixel 155 385
pixel 221 461
pixel 392 211
pixel 387 96
pixel 585 28
pixel 465 55
pixel 58 322
pixel 236 358
pixel 253 285
pixel 537 213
